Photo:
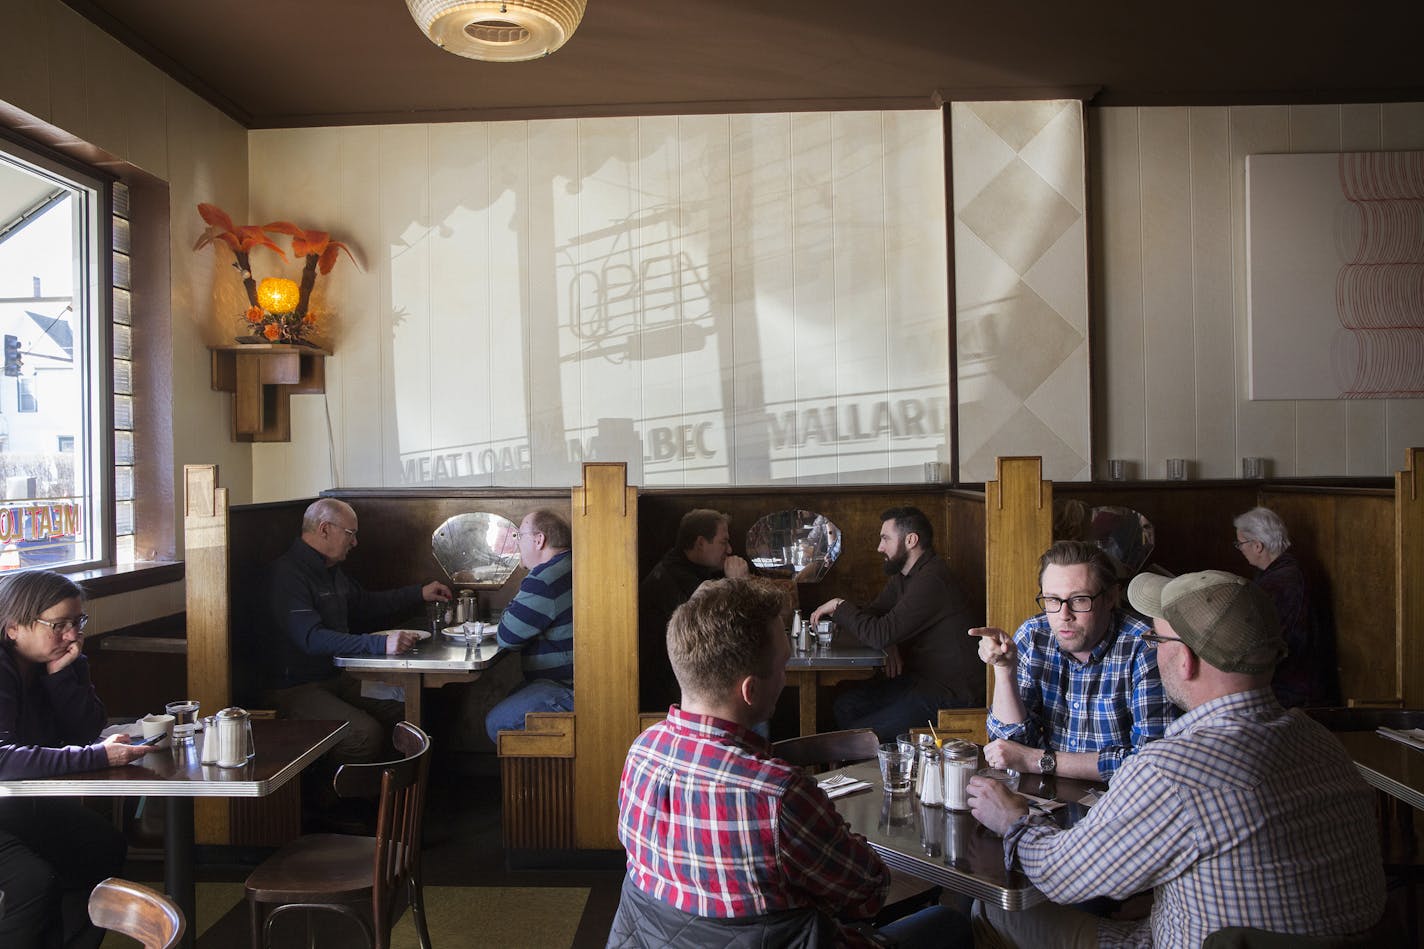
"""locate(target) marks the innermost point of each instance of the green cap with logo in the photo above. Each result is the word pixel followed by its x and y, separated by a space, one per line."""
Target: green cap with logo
pixel 1227 621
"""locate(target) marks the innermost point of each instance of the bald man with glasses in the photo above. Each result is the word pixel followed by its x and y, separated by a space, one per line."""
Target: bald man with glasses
pixel 1076 689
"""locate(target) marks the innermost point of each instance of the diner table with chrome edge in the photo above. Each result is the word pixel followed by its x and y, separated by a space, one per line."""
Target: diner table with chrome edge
pixel 950 848
pixel 817 667
pixel 428 664
pixel 284 747
pixel 1387 765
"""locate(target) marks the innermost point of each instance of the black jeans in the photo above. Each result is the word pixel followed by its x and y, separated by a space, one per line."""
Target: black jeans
pixel 52 853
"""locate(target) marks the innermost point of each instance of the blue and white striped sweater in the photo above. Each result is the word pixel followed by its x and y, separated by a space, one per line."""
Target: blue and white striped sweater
pixel 539 621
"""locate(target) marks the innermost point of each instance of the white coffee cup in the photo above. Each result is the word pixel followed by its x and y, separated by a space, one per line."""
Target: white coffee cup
pixel 156 725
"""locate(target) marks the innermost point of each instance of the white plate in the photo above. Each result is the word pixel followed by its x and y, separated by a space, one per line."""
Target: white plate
pixel 418 633
pixel 470 632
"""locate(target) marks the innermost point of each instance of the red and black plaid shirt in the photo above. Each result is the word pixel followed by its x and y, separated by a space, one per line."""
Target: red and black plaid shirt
pixel 716 827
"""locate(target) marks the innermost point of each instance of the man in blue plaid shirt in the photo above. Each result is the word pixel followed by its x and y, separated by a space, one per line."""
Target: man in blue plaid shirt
pixel 1076 689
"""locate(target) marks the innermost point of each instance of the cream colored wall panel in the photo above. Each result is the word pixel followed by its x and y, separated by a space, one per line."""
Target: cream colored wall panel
pixel 766 358
pixel 1118 366
pixel 1211 256
pixel 601 395
pixel 1322 426
pixel 1170 384
pixel 554 224
pixel 917 296
pixel 68 74
pixel 1263 428
pixel 1315 128
pixel 357 376
pixel 704 191
pixel 107 73
pixel 144 102
pixel 1365 443
pixel 982 160
pixel 404 191
pixel 510 250
pixel 462 199
pixel 813 273
pixel 1056 153
pixel 25 63
pixel 858 249
pixel 1021 216
pixel 675 327
pixel 1403 128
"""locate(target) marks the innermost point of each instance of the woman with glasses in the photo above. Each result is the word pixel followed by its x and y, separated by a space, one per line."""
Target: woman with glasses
pixel 52 850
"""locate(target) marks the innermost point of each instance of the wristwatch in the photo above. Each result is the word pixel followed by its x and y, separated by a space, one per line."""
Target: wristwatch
pixel 1049 762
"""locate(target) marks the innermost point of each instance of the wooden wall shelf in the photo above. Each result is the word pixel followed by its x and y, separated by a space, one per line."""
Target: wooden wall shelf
pixel 262 378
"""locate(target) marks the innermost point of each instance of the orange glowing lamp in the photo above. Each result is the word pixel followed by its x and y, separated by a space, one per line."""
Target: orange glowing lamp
pixel 278 294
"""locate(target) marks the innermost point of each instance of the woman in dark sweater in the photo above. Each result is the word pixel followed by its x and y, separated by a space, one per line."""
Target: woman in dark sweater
pixel 52 850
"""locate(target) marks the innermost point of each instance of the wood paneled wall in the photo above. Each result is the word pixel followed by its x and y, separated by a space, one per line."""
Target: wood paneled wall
pixel 1342 539
pixel 1409 576
pixel 1018 514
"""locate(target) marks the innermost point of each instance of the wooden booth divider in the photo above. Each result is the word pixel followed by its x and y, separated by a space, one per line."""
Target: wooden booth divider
pixel 1409 577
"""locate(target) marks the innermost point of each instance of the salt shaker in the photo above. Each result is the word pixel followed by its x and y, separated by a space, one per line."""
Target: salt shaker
pixel 922 741
pixel 961 760
pixel 209 754
pixel 931 793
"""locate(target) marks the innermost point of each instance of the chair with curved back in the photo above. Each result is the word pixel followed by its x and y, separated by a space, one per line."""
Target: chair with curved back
pixel 135 911
pixel 368 879
pixel 828 749
pixel 832 750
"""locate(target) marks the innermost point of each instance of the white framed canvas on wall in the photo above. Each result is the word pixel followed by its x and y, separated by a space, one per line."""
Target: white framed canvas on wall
pixel 1335 275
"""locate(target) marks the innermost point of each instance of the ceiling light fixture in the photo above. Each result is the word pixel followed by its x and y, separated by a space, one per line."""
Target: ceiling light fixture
pixel 502 31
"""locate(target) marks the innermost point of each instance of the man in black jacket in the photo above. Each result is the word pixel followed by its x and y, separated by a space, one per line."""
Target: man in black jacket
pixel 702 551
pixel 314 605
pixel 920 619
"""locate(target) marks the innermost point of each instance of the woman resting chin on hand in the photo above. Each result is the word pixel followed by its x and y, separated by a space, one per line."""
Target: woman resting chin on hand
pixel 50 719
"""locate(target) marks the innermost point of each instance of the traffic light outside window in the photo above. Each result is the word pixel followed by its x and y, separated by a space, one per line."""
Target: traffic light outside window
pixel 13 360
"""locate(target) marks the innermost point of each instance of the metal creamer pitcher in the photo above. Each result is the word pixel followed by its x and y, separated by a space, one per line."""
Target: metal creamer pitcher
pixel 234 738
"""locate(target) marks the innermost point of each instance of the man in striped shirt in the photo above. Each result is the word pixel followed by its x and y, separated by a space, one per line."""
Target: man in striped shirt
pixel 726 844
pixel 539 625
pixel 1243 814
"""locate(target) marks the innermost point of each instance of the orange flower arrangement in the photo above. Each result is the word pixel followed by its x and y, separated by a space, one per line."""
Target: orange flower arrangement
pixel 280 309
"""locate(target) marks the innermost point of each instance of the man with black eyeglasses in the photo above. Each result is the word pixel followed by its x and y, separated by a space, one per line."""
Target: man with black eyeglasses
pixel 1076 689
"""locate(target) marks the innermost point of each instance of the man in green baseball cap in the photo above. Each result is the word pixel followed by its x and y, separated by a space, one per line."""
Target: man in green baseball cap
pixel 1242 814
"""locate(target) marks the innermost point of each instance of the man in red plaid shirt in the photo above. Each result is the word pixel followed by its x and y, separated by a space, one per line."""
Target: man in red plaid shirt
pixel 726 843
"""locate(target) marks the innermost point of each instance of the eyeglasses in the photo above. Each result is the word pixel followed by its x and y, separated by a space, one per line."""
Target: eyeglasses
pixel 1157 640
pixel 1082 603
pixel 1238 544
pixel 348 530
pixel 62 626
pixel 519 534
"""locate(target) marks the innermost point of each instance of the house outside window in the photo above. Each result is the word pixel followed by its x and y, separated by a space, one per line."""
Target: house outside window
pixel 56 507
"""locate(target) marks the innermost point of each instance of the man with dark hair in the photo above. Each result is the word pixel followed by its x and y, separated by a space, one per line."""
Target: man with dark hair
pixel 539 625
pixel 314 605
pixel 1243 814
pixel 727 845
pixel 702 552
pixel 1076 688
pixel 919 619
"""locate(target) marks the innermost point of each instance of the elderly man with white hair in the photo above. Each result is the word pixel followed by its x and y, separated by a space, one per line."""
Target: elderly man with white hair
pixel 1306 676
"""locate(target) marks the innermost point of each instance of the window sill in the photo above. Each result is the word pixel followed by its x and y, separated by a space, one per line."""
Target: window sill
pixel 109 581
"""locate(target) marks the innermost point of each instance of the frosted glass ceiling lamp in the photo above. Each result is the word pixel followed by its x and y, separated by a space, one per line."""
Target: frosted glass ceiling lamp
pixel 503 31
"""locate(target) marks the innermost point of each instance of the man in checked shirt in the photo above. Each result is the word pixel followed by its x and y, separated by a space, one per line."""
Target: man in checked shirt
pixel 726 844
pixel 1075 689
pixel 1243 814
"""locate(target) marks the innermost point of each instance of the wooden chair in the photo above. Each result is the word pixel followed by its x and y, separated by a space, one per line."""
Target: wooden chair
pixel 368 879
pixel 135 911
pixel 828 749
pixel 832 750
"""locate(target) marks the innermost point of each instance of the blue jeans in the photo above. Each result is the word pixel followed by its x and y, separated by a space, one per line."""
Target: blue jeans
pixel 888 706
pixel 536 695
pixel 936 927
